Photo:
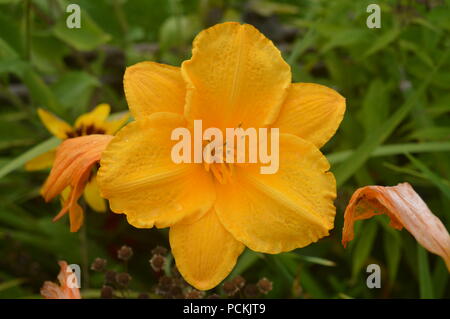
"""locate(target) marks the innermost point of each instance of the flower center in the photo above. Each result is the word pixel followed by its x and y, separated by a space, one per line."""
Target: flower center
pixel 215 161
pixel 85 130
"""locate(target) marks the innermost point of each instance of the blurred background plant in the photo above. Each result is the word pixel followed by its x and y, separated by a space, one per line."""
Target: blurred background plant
pixel 397 128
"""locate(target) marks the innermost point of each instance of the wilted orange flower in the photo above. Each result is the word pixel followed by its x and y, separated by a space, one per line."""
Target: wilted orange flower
pixel 94 122
pixel 51 290
pixel 75 158
pixel 235 78
pixel 405 208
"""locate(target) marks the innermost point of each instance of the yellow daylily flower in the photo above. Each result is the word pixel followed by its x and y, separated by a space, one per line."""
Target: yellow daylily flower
pixel 94 122
pixel 235 78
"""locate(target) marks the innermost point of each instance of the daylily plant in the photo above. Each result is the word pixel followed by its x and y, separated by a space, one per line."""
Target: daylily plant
pixel 92 123
pixel 235 78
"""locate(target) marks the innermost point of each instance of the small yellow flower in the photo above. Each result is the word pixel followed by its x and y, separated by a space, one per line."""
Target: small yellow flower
pixel 235 78
pixel 94 122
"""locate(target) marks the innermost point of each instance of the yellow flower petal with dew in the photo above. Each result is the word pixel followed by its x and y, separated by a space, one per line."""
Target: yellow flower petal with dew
pixel 205 252
pixel 54 124
pixel 42 161
pixel 312 112
pixel 140 179
pixel 236 77
pixel 92 195
pixel 152 87
pixel 96 117
pixel 279 212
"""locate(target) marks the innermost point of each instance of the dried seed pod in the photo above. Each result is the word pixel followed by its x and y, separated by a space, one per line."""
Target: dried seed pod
pixel 125 253
pixel 159 250
pixel 264 285
pixel 157 262
pixel 229 288
pixel 99 264
pixel 239 282
pixel 123 279
pixel 110 277
pixel 251 291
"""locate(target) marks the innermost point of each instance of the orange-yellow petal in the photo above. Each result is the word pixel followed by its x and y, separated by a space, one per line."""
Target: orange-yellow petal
pixel 152 87
pixel 42 161
pixel 74 160
pixel 236 77
pixel 96 117
pixel 312 112
pixel 405 208
pixel 139 178
pixel 92 196
pixel 279 212
pixel 204 251
pixel 54 124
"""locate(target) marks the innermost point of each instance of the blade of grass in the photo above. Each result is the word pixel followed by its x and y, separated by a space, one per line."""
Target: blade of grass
pixel 431 176
pixel 11 283
pixel 393 149
pixel 363 247
pixel 28 155
pixel 425 283
pixel 344 171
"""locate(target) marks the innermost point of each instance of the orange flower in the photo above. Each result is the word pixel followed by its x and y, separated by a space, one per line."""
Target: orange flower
pixel 97 121
pixel 75 158
pixel 405 208
pixel 235 78
pixel 51 290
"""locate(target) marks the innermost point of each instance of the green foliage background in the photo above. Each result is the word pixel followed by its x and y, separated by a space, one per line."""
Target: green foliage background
pixel 396 80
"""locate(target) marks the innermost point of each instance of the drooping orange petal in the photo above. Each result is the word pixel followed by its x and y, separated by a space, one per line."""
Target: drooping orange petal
pixel 51 290
pixel 312 112
pixel 236 77
pixel 139 178
pixel 74 160
pixel 292 208
pixel 405 208
pixel 152 87
pixel 204 251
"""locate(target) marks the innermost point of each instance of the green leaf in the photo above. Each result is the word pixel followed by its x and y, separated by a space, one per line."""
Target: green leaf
pixel 432 133
pixel 86 38
pixel 245 261
pixel 431 176
pixel 74 90
pixel 363 246
pixel 28 155
pixel 382 41
pixel 425 283
pixel 11 283
pixel 344 171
